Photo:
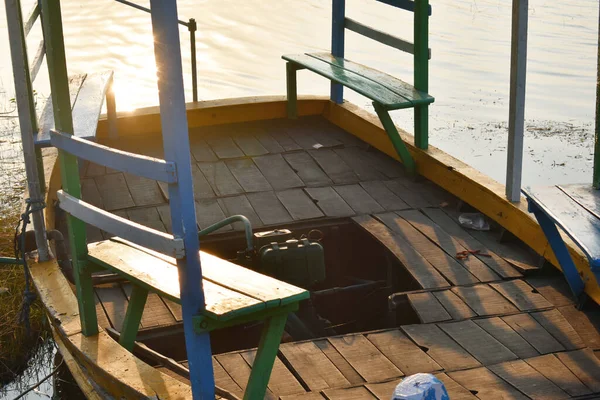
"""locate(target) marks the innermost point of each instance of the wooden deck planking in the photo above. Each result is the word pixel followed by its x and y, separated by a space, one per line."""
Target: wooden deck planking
pixel 299 205
pixel 114 191
pixel 521 295
pixel 330 202
pixel 554 370
pixel 201 151
pixel 114 303
pixel 404 354
pixel 486 384
pixel 495 262
pixel 365 358
pixel 175 309
pixel 90 193
pixel 585 365
pixel 303 396
pixel 526 326
pixel 220 178
pixel 269 208
pixel 208 212
pixel 307 169
pixel 224 147
pixel 419 268
pixel 248 175
pixel 282 381
pixel 481 345
pixel 584 324
pixel 250 145
pixel 484 300
pixel 239 370
pixel 278 172
pixel 449 244
pixel 385 164
pixel 155 312
pixel 270 144
pixel 335 168
pixel 240 205
pixel 358 199
pixel 94 170
pixel 164 213
pixel 384 390
pixel 144 191
pixel 384 196
pixel 457 308
pixel 554 322
pixel 353 393
pixel 224 380
pixel 528 380
pixel 202 189
pixel 445 351
pixel 285 141
pixel 147 216
pixel 428 308
pixel 446 265
pixel 312 366
pixel 339 361
pixel 411 197
pixel 101 316
pixel 506 335
pixel 454 389
pixel 355 159
pixel 555 289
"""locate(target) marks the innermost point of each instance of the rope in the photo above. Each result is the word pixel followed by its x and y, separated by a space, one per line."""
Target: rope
pixel 19 248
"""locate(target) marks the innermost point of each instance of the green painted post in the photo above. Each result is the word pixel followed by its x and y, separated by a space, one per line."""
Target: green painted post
pixel 421 70
pixel 596 177
pixel 265 357
pixel 395 138
pixel 292 90
pixel 61 101
pixel 133 316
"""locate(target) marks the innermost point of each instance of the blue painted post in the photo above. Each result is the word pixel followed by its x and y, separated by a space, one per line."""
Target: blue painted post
pixel 177 149
pixel 337 43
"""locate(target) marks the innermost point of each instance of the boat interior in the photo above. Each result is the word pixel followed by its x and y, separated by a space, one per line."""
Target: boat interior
pixel 404 288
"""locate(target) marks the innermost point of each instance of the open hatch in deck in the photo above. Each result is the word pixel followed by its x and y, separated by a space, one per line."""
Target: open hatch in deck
pixel 487 325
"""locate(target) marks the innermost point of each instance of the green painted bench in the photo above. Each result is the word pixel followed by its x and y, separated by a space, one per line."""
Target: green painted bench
pixel 387 92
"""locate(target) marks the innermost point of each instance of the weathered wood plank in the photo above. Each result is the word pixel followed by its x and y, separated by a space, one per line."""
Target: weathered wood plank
pixel 303 396
pixel 409 195
pixel 155 312
pixel 521 295
pixel 278 172
pixel 526 326
pixel 487 385
pixel 201 151
pixel 494 261
pixel 307 169
pixel 354 393
pixel 224 147
pixel 90 193
pixel 270 144
pixel 269 208
pixel 382 195
pixel 208 212
pixel 174 308
pixel 419 268
pixel 484 347
pixel 240 205
pixel 448 266
pixel 407 357
pixel 285 141
pixel 100 313
pixel 554 370
pixel 202 189
pixel 361 166
pixel 248 175
pixel 366 359
pixel 385 164
pixel 554 322
pixel 335 168
pixel 114 303
pixel 506 335
pixel 358 199
pixel 450 245
pixel 223 380
pixel 339 361
pixel 312 366
pixel 144 191
pixel 445 351
pixel 454 305
pixel 587 325
pixel 147 216
pixel 329 202
pixel 384 390
pixel 529 381
pixel 282 382
pixel 249 145
pixel 164 212
pixel 220 178
pixel 585 365
pixel 239 370
pixel 484 300
pixel 554 289
pixel 428 308
pixel 114 191
pixel 454 389
pixel 299 205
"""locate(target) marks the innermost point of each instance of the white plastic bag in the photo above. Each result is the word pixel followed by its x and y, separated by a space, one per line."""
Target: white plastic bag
pixel 420 387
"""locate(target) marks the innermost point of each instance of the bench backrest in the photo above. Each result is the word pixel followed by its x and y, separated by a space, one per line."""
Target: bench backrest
pixel 420 48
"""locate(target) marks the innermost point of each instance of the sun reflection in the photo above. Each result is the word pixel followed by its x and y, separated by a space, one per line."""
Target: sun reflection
pixel 135 85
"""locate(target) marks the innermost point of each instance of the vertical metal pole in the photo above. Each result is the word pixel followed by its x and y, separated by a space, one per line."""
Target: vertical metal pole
pixel 167 52
pixel 421 70
pixel 192 27
pixel 338 20
pixel 27 118
pixel 596 177
pixel 516 117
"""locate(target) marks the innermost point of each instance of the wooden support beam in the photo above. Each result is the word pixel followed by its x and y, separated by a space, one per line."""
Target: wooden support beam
pixel 516 116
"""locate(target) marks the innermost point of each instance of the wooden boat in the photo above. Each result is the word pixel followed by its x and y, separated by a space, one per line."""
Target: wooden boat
pixel 406 289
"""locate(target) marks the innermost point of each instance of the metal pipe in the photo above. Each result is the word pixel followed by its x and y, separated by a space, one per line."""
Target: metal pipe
pixel 229 221
pixel 10 260
pixel 192 27
pixel 335 290
pixel 145 9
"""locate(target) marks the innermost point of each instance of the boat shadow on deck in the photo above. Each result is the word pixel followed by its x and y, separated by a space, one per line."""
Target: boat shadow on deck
pixel 488 325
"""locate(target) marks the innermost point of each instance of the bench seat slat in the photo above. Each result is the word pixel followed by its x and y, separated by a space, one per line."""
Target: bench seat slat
pixel 230 290
pixel 87 96
pixel 578 222
pixel 391 92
